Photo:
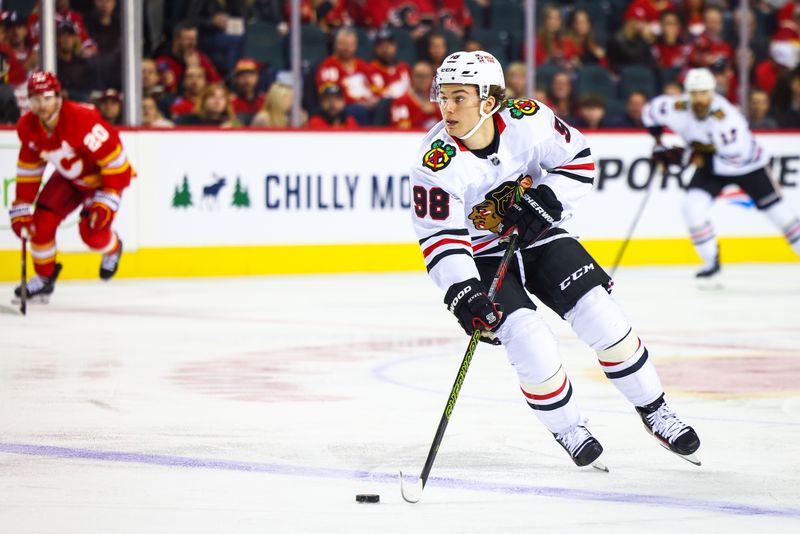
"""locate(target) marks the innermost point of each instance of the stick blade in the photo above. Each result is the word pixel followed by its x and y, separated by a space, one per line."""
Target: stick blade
pixel 411 493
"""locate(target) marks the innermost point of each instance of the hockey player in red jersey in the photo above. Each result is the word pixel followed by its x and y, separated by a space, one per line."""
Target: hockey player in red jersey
pixel 91 171
pixel 492 165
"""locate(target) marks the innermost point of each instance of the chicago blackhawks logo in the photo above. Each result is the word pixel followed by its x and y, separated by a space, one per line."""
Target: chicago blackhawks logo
pixel 439 156
pixel 489 214
pixel 522 107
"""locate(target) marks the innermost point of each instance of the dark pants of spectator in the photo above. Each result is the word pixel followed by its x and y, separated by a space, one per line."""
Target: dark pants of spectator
pixel 226 50
pixel 362 114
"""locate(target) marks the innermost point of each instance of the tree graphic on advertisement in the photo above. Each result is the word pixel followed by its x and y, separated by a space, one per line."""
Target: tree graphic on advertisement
pixel 182 198
pixel 241 197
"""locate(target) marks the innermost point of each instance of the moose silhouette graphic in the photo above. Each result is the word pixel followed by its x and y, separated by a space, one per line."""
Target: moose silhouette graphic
pixel 211 192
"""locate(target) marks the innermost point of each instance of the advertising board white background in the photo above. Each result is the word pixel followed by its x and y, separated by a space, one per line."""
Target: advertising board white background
pixel 351 187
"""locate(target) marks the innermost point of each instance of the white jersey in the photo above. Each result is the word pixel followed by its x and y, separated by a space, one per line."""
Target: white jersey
pixel 724 132
pixel 459 198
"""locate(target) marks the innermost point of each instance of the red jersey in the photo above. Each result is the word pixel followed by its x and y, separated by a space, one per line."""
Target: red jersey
pixel 84 149
pixel 11 70
pixel 176 67
pixel 358 80
pixel 241 105
pixel 181 106
pixel 393 81
pixel 408 111
pixel 670 56
pixel 88 46
pixel 374 13
pixel 708 50
pixel 767 75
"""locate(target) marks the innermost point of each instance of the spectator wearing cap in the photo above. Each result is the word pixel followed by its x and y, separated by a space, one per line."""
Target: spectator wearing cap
pixel 78 76
pixel 277 108
pixel 758 112
pixel 183 54
pixel 194 83
pixel 109 104
pixel 631 44
pixel 350 73
pixel 87 46
pixel 415 109
pixel 692 15
pixel 632 116
pixel 591 113
pixel 332 112
pixel 246 100
pixel 783 57
pixel 392 77
pixel 17 39
pixel 213 108
pixel 671 49
pixel 711 47
pixel 151 115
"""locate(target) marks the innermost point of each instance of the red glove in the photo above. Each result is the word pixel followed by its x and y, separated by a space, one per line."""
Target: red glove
pixel 22 220
pixel 102 209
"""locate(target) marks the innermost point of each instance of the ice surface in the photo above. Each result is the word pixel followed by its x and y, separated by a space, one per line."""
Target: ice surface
pixel 258 405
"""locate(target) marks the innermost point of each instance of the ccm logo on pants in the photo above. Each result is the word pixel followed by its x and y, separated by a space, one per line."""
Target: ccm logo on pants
pixel 577 274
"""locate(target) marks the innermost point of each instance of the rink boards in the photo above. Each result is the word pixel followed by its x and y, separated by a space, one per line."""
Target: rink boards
pixel 211 202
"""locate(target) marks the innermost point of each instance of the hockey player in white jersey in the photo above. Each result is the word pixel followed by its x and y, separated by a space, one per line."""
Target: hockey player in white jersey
pixel 493 165
pixel 724 152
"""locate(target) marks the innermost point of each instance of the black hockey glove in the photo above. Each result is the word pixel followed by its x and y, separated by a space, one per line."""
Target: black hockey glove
pixel 534 211
pixel 470 304
pixel 668 156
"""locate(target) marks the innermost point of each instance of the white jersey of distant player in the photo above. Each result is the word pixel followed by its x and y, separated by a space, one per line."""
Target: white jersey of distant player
pixel 460 199
pixel 736 152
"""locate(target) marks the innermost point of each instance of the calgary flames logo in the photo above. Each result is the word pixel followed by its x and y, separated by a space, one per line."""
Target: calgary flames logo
pixel 489 214
pixel 522 107
pixel 439 156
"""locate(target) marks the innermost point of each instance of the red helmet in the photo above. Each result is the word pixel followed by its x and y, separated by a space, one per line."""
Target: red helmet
pixel 44 83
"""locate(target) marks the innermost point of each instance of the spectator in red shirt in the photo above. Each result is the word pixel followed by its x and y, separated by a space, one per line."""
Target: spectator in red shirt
pixel 393 77
pixel 454 16
pixel 550 43
pixel 194 83
pixel 580 38
pixel 17 39
pixel 711 45
pixel 671 49
pixel 184 54
pixel 88 47
pixel 356 77
pixel 246 100
pixel 415 109
pixel 332 112
pixel 783 58
pixel 327 14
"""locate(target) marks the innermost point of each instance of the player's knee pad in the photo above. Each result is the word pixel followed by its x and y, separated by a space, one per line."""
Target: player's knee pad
pixel 598 319
pixel 530 346
pixel 95 239
pixel 45 223
pixel 696 205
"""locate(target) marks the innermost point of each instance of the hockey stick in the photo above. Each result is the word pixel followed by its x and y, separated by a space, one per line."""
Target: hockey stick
pixel 635 222
pixel 23 292
pixel 462 373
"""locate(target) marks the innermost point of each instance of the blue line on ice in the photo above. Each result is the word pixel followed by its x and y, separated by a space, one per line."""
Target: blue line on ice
pixel 388 478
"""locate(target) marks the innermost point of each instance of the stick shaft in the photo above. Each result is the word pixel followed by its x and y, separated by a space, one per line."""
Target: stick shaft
pixel 23 292
pixel 465 362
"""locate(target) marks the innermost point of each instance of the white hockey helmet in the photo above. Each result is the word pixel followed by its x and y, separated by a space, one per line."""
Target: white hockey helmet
pixel 699 80
pixel 473 68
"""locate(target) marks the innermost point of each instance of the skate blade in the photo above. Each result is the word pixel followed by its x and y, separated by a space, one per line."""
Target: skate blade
pixel 691 458
pixel 600 466
pixel 39 299
pixel 709 285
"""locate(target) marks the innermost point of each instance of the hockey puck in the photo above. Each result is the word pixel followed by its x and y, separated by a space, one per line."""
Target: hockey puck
pixel 368 497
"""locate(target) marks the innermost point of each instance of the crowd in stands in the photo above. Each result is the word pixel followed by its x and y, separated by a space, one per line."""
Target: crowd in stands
pixel 371 63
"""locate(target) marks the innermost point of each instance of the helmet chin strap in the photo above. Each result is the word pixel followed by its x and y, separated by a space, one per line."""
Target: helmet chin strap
pixel 483 118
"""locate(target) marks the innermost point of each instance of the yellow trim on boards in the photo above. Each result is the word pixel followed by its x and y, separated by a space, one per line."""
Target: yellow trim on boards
pixel 313 259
